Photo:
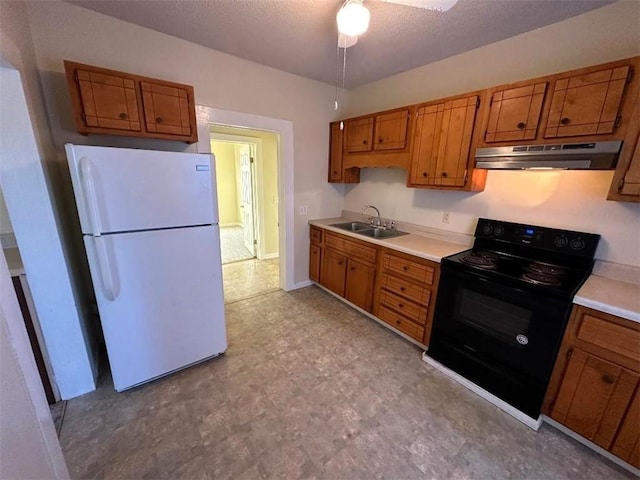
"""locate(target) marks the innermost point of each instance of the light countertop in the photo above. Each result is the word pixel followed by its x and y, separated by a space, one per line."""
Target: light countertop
pixel 419 245
pixel 610 296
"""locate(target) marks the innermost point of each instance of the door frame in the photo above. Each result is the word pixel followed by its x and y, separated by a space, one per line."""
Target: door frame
pixel 255 144
pixel 208 116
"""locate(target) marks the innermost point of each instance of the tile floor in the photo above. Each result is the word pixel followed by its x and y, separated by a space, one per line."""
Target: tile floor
pixel 232 246
pixel 249 278
pixel 309 388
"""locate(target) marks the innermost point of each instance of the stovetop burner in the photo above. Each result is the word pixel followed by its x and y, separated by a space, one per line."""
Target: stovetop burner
pixel 547 269
pixel 485 260
pixel 543 278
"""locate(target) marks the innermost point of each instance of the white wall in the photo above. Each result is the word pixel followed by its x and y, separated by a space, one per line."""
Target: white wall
pixel 63 31
pixel 228 209
pixel 5 222
pixel 572 199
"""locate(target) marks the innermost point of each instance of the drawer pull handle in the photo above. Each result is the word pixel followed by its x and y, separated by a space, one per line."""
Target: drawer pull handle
pixel 123 115
pixel 425 174
pixel 444 174
pixel 364 142
pixel 398 322
pixel 521 125
pixel 158 119
pixel 402 289
pixel 565 121
pixel 405 268
pixel 608 379
pixel 401 305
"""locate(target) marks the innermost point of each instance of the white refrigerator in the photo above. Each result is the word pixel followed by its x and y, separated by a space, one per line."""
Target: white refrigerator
pixel 150 226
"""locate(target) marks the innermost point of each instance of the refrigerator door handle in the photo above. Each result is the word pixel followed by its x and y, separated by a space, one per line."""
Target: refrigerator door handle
pixel 90 196
pixel 110 289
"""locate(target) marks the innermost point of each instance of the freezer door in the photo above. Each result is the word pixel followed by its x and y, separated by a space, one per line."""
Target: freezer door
pixel 121 190
pixel 160 299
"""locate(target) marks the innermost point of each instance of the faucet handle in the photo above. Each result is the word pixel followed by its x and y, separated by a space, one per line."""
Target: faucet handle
pixel 393 225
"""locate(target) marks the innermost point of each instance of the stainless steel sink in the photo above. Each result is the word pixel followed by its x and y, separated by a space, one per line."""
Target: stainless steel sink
pixel 368 230
pixel 352 226
pixel 381 233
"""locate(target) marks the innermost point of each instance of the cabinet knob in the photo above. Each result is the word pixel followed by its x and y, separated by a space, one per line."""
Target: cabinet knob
pixel 402 289
pixel 425 174
pixel 405 268
pixel 398 322
pixel 380 140
pixel 444 174
pixel 353 269
pixel 521 125
pixel 158 119
pixel 364 142
pixel 609 379
pixel 565 121
pixel 335 172
pixel 340 262
pixel 123 115
pixel 401 305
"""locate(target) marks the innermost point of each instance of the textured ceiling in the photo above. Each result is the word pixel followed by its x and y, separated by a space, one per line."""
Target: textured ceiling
pixel 300 36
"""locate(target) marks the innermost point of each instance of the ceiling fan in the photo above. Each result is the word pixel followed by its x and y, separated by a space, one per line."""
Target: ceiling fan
pixel 353 16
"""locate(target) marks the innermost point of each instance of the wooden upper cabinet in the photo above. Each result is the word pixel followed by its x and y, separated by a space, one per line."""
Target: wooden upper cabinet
pixel 391 130
pixel 337 172
pixel 514 113
pixel 118 103
pixel 625 185
pixel 594 397
pixel 166 109
pixel 587 104
pixel 359 135
pixel 441 143
pixel 108 101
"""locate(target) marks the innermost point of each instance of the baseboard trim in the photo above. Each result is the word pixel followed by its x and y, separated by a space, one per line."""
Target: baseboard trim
pixel 306 283
pixel 579 438
pixel 232 224
pixel 270 256
pixel 501 404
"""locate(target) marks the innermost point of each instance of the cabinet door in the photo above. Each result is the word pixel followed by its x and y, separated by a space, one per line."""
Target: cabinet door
pixel 315 257
pixel 333 271
pixel 425 145
pixel 458 117
pixel 359 285
pixel 359 135
pixel 627 443
pixel 631 182
pixel 108 101
pixel 335 152
pixel 586 104
pixel 166 109
pixel 391 131
pixel 514 113
pixel 593 397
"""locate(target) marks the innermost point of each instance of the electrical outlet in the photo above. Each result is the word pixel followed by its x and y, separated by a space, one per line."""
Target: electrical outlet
pixel 303 210
pixel 445 217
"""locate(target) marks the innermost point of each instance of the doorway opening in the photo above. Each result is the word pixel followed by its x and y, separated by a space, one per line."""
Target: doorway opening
pixel 247 191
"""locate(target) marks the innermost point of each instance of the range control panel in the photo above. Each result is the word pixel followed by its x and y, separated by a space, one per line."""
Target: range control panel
pixel 553 239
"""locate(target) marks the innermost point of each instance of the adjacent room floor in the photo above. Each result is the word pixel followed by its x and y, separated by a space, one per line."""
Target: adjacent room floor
pixel 310 388
pixel 232 247
pixel 249 278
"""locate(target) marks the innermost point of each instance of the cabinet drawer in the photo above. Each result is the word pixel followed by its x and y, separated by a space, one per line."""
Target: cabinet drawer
pixel 604 334
pixel 352 248
pixel 409 309
pixel 406 289
pixel 416 271
pixel 398 321
pixel 316 236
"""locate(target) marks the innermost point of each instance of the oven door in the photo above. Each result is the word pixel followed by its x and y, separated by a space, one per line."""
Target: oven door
pixel 501 323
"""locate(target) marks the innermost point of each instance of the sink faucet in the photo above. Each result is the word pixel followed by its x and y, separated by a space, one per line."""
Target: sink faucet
pixel 378 222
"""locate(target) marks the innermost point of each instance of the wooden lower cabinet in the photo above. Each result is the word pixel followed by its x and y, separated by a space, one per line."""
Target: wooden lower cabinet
pixel 359 283
pixel 396 287
pixel 594 388
pixel 404 291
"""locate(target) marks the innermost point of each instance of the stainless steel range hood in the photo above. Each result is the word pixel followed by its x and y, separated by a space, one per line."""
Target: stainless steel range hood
pixel 567 156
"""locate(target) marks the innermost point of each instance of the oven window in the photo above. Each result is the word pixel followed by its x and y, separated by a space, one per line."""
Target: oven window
pixel 494 317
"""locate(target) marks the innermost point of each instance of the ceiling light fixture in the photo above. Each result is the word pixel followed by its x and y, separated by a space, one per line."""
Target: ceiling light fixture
pixel 353 18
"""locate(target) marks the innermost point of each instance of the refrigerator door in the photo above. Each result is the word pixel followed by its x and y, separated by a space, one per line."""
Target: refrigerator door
pixel 160 299
pixel 123 190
